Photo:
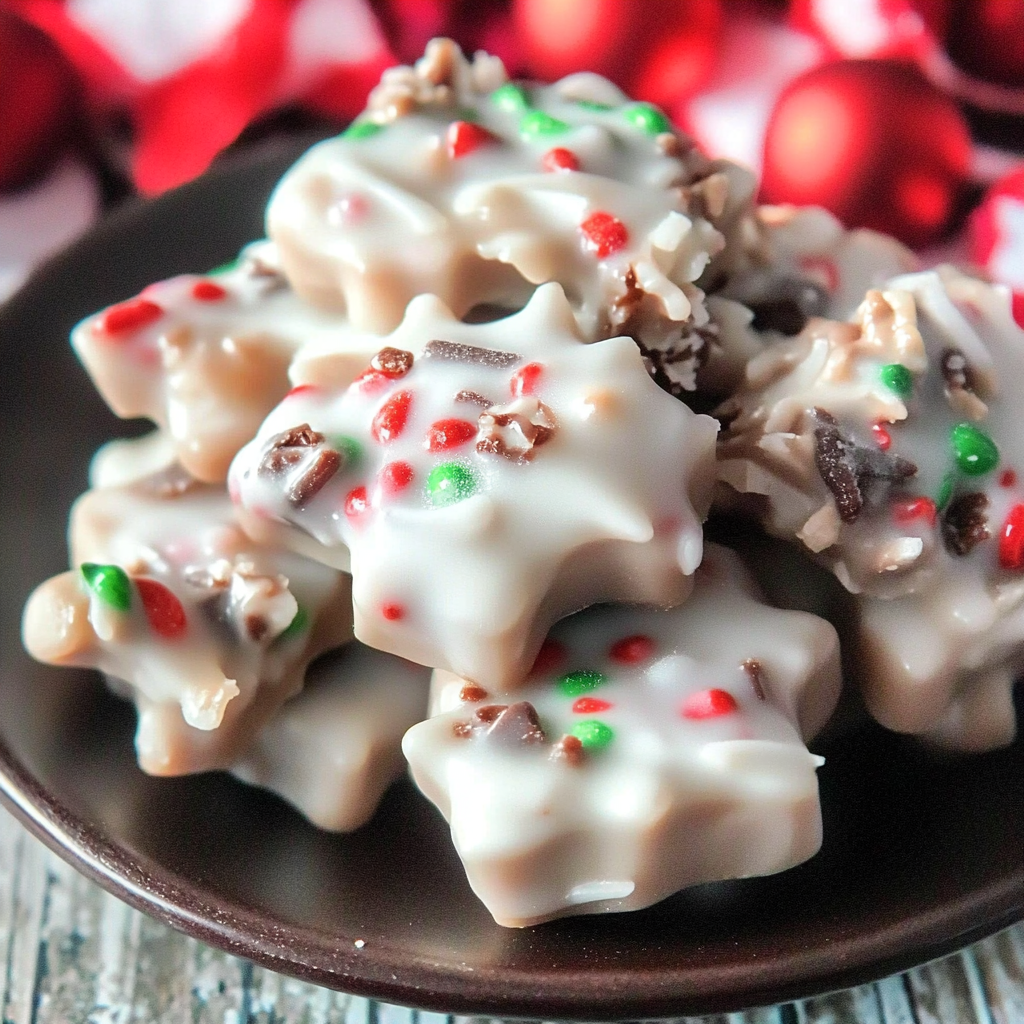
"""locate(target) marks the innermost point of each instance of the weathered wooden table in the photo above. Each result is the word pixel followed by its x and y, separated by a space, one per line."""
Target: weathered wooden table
pixel 72 953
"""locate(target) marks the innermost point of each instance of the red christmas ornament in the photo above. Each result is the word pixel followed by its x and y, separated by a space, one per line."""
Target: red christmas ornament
pixel 986 38
pixel 997 236
pixel 873 28
pixel 35 101
pixel 873 142
pixel 657 52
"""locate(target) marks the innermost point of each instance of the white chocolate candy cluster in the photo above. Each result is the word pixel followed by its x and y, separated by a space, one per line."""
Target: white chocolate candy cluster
pixel 204 357
pixel 889 446
pixel 440 411
pixel 650 750
pixel 483 480
pixel 494 187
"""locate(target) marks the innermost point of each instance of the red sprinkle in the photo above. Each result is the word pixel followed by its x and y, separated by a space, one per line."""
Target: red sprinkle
pixel 590 705
pixel 391 416
pixel 1011 539
pixel 392 612
pixel 129 316
pixel 302 389
pixel 908 510
pixel 709 704
pixel 446 434
pixel 208 291
pixel 631 650
pixel 1008 478
pixel 164 612
pixel 549 657
pixel 882 436
pixel 560 159
pixel 525 380
pixel 604 234
pixel 395 477
pixel 357 503
pixel 464 137
pixel 371 380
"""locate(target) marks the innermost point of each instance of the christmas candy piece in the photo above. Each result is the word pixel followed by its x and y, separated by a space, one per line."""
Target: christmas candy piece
pixel 921 526
pixel 204 357
pixel 470 172
pixel 206 630
pixel 685 766
pixel 335 748
pixel 507 475
pixel 830 141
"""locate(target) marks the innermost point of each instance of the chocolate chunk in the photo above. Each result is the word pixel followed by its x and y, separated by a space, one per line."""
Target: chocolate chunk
pixel 325 464
pixel 456 352
pixel 473 397
pixel 286 449
pixel 965 523
pixel 517 725
pixel 570 750
pixel 395 362
pixel 755 673
pixel 845 466
pixel 472 693
pixel 791 302
pixel 256 627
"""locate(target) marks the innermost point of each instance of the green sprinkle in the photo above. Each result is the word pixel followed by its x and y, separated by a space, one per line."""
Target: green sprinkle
pixel 536 122
pixel 942 499
pixel 349 447
pixel 898 379
pixel 593 734
pixel 109 583
pixel 572 684
pixel 296 626
pixel 362 130
pixel 593 105
pixel 512 98
pixel 976 453
pixel 647 118
pixel 450 482
pixel 224 268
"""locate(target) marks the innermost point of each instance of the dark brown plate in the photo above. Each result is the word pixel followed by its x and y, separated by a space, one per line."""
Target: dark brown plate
pixel 920 857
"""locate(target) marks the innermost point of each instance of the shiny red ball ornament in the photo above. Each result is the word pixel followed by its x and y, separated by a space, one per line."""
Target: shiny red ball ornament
pixel 873 142
pixel 986 39
pixel 873 28
pixel 996 233
pixel 35 101
pixel 656 52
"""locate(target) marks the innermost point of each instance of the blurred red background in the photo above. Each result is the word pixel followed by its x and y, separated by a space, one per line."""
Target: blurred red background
pixel 900 115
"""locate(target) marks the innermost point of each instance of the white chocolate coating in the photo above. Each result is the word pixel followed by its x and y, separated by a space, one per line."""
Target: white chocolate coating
pixel 469 538
pixel 335 748
pixel 921 537
pixel 227 644
pixel 460 184
pixel 207 360
pixel 691 768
